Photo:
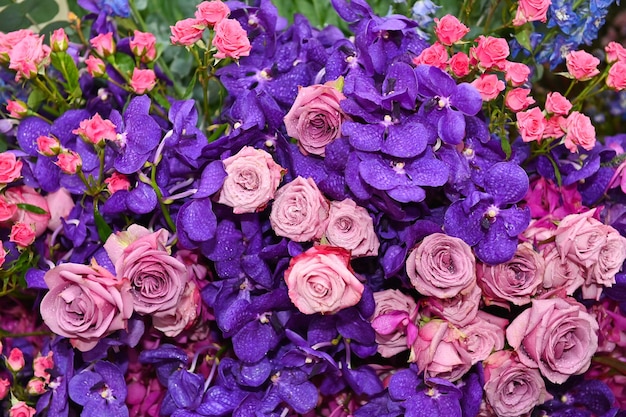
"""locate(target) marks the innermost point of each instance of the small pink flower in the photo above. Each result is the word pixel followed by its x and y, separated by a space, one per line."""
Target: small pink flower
pixel 351 227
pixel 42 364
pixel 531 11
pixel 516 73
pixel 435 55
pixel 7 209
pixel 96 130
pixel 3 254
pixel 117 182
pixel 143 45
pixel 143 80
pixel 10 167
pixel 69 161
pixel 615 52
pixel 554 127
pixel 557 104
pixel 531 124
pixel 35 386
pixel 582 65
pixel 15 360
pixel 95 66
pixel 9 40
pixel 231 40
pixel 450 30
pixel 59 41
pixel 491 52
pixel 22 234
pixel 617 76
pixel 21 409
pixel 17 108
pixel 489 86
pixel 459 64
pixel 187 32
pixel 518 99
pixel 212 12
pixel 48 146
pixel 103 44
pixel 5 388
pixel 28 56
pixel 580 131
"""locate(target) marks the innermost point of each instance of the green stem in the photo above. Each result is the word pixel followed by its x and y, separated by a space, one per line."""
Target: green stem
pixel 492 10
pixel 157 190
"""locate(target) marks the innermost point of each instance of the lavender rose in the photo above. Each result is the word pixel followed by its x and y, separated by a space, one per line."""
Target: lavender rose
pixel 300 211
pixel 442 266
pixel 555 335
pixel 251 181
pixel 483 335
pixel 315 117
pixel 459 310
pixel 351 227
pixel 85 303
pixel 173 322
pixel 560 273
pixel 320 281
pixel 580 237
pixel 610 259
pixel 394 314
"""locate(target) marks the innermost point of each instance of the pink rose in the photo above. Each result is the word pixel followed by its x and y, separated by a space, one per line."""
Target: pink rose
pixel 21 409
pixel 320 280
pixel 22 234
pixel 59 40
pixel 143 80
pixel 28 56
pixel 516 73
pixel 5 388
pixel 212 12
pixel 117 182
pixel 17 108
pixel 608 263
pixel 69 161
pixel 554 127
pixel 514 281
pixel 96 130
pixel 231 40
pixel 315 118
pixel 531 124
pixel 483 335
pixel 555 335
pixel 251 181
pixel 300 211
pixel 15 360
pixel 517 99
pixel 85 303
pixel 489 86
pixel 394 314
pixel 60 204
pixel 351 227
pixel 10 167
pixel 531 11
pixel 103 44
pixel 9 40
pixel 435 55
pixel 581 237
pixel 450 30
pixel 7 210
pixel 582 65
pixel 615 52
pixel 95 66
pixel 442 266
pixel 143 46
pixel 459 310
pixel 48 146
pixel 561 273
pixel 491 52
pixel 512 389
pixel 3 254
pixel 27 195
pixel 459 64
pixel 35 386
pixel 557 104
pixel 616 78
pixel 43 364
pixel 186 32
pixel 173 322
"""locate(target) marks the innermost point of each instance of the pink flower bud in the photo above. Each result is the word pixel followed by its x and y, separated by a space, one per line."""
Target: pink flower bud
pixel 143 45
pixel 17 108
pixel 21 409
pixel 143 80
pixel 59 41
pixel 69 161
pixel 95 66
pixel 117 182
pixel 103 44
pixel 35 387
pixel 5 387
pixel 15 360
pixel 48 146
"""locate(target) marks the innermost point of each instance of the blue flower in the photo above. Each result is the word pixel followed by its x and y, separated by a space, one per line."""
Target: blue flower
pixel 109 7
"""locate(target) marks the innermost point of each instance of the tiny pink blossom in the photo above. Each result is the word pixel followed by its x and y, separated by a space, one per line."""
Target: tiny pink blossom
pixel 15 360
pixel 450 30
pixel 96 130
pixel 212 12
pixel 103 44
pixel 143 80
pixel 231 40
pixel 518 99
pixel 582 65
pixel 22 234
pixel 489 86
pixel 69 161
pixel 117 182
pixel 459 64
pixel 3 254
pixel 59 41
pixel 615 52
pixel 48 146
pixel 95 66
pixel 10 167
pixel 616 78
pixel 491 52
pixel 580 131
pixel 143 45
pixel 557 104
pixel 516 73
pixel 187 32
pixel 531 11
pixel 531 124
pixel 17 108
pixel 435 55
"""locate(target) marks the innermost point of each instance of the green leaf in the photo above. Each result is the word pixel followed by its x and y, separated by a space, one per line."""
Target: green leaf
pixel 5 3
pixel 141 4
pixel 35 98
pixel 523 37
pixel 13 18
pixel 190 87
pixel 63 62
pixel 506 146
pixel 615 364
pixel 125 63
pixel 104 230
pixel 31 208
pixel 40 11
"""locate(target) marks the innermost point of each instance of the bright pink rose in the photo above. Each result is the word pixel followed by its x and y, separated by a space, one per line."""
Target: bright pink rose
pixel 561 273
pixel 96 130
pixel 173 322
pixel 489 86
pixel 459 64
pixel 351 227
pixel 554 127
pixel 85 303
pixel 28 56
pixel 580 131
pixel 531 11
pixel 187 32
pixel 516 73
pixel 27 195
pixel 143 80
pixel 483 335
pixel 5 388
pixel 8 210
pixel 514 281
pixel 231 40
pixel 60 204
pixel 43 364
pixel 9 40
pixel 616 78
pixel 442 266
pixel 557 104
pixel 21 409
pixel 450 30
pixel 22 234
pixel 103 44
pixel 59 40
pixel 10 167
pixel 17 108
pixel 15 360
pixel 300 211
pixel 531 124
pixel 555 335
pixel 435 55
pixel 582 65
pixel 320 280
pixel 117 182
pixel 394 314
pixel 512 389
pixel 35 387
pixel 212 12
pixel 615 52
pixel 95 66
pixel 459 310
pixel 48 146
pixel 491 52
pixel 143 45
pixel 3 254
pixel 69 161
pixel 517 99
pixel 315 118
pixel 251 181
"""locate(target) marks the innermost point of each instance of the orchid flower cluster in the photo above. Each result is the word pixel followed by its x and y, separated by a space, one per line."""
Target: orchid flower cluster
pixel 377 224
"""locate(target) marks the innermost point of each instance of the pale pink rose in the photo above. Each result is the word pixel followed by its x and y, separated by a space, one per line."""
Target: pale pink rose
pixel 35 387
pixel 459 64
pixel 351 227
pixel 435 55
pixel 450 30
pixel 615 52
pixel 117 182
pixel 28 56
pixel 459 310
pixel 96 130
pixel 512 389
pixel 95 66
pixel 69 161
pixel 17 108
pixel 48 146
pixel 531 124
pixel 60 204
pixel 517 99
pixel 580 237
pixel 85 303
pixel 442 266
pixel 616 79
pixel 251 181
pixel 514 281
pixel 9 40
pixel 186 32
pixel 59 40
pixel 516 73
pixel 27 195
pixel 5 388
pixel 561 273
pixel 491 52
pixel 580 131
pixel 320 280
pixel 173 322
pixel 489 86
pixel 143 80
pixel 103 44
pixel 483 335
pixel 555 335
pixel 300 211
pixel 10 167
pixel 15 360
pixel 143 45
pixel 22 234
pixel 43 364
pixel 557 104
pixel 394 314
pixel 21 409
pixel 609 262
pixel 554 127
pixel 582 65
pixel 8 210
pixel 531 11
pixel 315 118
pixel 212 12
pixel 231 40
pixel 118 242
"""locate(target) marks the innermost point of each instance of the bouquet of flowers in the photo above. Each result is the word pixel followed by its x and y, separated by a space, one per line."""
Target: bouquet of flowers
pixel 420 212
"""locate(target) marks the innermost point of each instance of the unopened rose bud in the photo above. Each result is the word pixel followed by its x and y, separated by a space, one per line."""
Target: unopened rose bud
pixel 15 360
pixel 59 41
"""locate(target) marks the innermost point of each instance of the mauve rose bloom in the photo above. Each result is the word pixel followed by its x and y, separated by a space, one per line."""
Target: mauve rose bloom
pixel 580 238
pixel 514 281
pixel 315 118
pixel 351 227
pixel 251 181
pixel 610 258
pixel 85 303
pixel 442 266
pixel 61 204
pixel 173 322
pixel 320 281
pixel 231 40
pixel 394 313
pixel 555 335
pixel 483 335
pixel 459 310
pixel 560 273
pixel 300 211
pixel 511 388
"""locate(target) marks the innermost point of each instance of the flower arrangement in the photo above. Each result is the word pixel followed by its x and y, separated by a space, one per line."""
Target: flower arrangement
pixel 410 214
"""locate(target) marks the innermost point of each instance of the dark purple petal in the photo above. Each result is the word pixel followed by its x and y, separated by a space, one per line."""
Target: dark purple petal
pixel 254 340
pixel 129 161
pixel 433 82
pixel 197 219
pixel 358 187
pixel 253 375
pixel 407 194
pixel 506 182
pixel 406 140
pixel 466 99
pixel 427 170
pixel 142 199
pixel 143 134
pixel 63 126
pixel 363 380
pixel 211 180
pixel 497 246
pixel 47 174
pixel 393 260
pixel 451 126
pixel 301 397
pixel 404 384
pixel 34 279
pixel 379 174
pixel 28 131
pixel 351 325
pixel 515 220
pixel 185 388
pixel 367 138
pixel 466 226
